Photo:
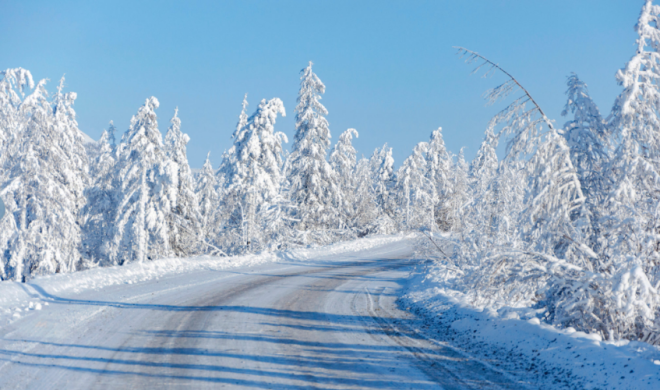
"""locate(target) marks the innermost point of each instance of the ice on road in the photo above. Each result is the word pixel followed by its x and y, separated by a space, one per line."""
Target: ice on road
pixel 284 325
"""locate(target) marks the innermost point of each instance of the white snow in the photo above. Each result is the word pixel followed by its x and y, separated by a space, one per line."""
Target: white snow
pixel 15 296
pixel 515 340
pixel 511 340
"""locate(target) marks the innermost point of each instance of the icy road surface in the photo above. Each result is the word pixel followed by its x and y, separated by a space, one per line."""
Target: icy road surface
pixel 284 325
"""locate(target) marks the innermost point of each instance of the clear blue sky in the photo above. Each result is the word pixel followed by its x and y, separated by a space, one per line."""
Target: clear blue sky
pixel 388 66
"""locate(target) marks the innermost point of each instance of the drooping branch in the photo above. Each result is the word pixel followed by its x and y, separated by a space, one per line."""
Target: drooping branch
pixel 504 89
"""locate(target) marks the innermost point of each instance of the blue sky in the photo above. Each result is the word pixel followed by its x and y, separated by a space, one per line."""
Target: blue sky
pixel 388 66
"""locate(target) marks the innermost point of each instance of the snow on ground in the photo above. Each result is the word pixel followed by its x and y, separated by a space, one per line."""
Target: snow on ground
pixel 511 340
pixel 514 340
pixel 16 300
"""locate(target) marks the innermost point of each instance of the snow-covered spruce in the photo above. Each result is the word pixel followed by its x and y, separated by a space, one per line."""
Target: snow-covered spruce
pixel 313 182
pixel 184 219
pixel 145 180
pixel 46 172
pixel 253 179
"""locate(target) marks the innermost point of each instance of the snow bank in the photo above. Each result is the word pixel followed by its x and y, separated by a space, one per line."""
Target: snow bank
pixel 517 342
pixel 17 298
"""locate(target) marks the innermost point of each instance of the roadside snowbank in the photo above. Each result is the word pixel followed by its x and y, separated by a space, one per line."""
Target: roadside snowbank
pixel 18 298
pixel 517 342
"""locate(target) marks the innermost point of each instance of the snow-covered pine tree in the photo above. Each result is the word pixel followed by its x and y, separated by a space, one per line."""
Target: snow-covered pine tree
pixel 226 214
pixel 483 167
pixel 383 180
pixel 209 203
pixel 145 181
pixel 273 209
pixel 588 138
pixel 72 140
pixel 229 157
pixel 41 199
pixel 438 171
pixel 184 219
pixel 343 161
pixel 254 178
pixel 98 214
pixel 314 188
pixel 365 208
pixel 459 195
pixel 416 193
pixel 481 217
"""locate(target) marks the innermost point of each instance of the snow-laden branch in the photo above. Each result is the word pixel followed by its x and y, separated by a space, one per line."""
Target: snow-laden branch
pixel 503 90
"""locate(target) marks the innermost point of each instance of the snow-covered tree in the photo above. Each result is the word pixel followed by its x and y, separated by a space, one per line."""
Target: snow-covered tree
pixel 343 161
pixel 72 142
pixel 481 216
pixel 458 195
pixel 382 169
pixel 314 189
pixel 483 167
pixel 209 203
pixel 184 219
pixel 587 136
pixel 415 191
pixel 365 212
pixel 99 210
pixel 145 181
pixel 41 193
pixel 229 157
pixel 254 177
pixel 631 221
pixel 438 172
pixel 13 114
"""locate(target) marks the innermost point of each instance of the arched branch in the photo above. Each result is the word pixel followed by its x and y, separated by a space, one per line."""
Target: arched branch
pixel 504 89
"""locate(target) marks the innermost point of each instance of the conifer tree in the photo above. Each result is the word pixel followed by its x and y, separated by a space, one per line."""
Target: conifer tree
pixel 364 209
pixel 415 191
pixel 99 210
pixel 588 138
pixel 343 161
pixel 382 181
pixel 229 157
pixel 484 165
pixel 144 181
pixel 65 120
pixel 382 169
pixel 184 219
pixel 438 171
pixel 209 204
pixel 254 178
pixel 40 196
pixel 459 194
pixel 314 188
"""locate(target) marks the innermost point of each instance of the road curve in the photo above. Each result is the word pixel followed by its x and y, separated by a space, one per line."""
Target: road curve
pixel 318 325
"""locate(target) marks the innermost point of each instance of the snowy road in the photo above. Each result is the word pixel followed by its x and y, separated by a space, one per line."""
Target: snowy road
pixel 284 325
